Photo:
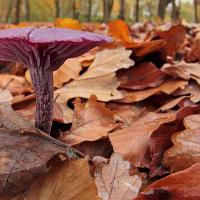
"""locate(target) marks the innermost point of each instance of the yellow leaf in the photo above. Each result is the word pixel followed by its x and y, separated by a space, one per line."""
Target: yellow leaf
pixel 68 23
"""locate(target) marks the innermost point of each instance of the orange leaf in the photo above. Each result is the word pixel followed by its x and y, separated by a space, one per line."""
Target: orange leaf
pixel 120 31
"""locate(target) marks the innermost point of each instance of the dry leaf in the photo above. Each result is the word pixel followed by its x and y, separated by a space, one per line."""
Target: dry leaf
pixel 91 122
pixel 142 76
pixel 183 185
pixel 16 84
pixel 11 119
pixel 104 87
pixel 186 149
pixel 24 156
pixel 68 23
pixel 174 37
pixel 131 142
pixel 69 70
pixel 114 181
pixel 66 181
pixel 108 61
pixel 5 96
pixel 172 103
pixel 160 141
pixel 168 87
pixel 184 70
pixel 120 31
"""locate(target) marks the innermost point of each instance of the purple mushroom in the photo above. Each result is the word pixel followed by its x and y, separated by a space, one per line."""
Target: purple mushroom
pixel 43 51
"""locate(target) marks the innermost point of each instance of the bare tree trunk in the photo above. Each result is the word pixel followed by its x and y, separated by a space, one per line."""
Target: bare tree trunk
pixel 174 10
pixel 162 4
pixel 161 9
pixel 89 10
pixel 9 11
pixel 137 10
pixel 57 6
pixel 107 9
pixel 27 7
pixel 196 14
pixel 122 9
pixel 17 12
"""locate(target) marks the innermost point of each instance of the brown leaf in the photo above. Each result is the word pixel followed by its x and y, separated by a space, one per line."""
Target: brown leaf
pixel 108 61
pixel 16 84
pixel 70 181
pixel 194 53
pixel 172 103
pixel 131 142
pixel 114 181
pixel 69 70
pixel 11 119
pixel 146 48
pixel 174 37
pixel 142 76
pixel 24 156
pixel 104 87
pixel 193 89
pixel 5 96
pixel 183 185
pixel 184 70
pixel 186 149
pixel 91 122
pixel 160 140
pixel 168 87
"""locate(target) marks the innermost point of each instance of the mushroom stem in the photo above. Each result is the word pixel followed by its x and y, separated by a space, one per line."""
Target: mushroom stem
pixel 43 86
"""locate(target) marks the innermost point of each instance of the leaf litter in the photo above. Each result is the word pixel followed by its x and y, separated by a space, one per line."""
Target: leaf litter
pixel 130 108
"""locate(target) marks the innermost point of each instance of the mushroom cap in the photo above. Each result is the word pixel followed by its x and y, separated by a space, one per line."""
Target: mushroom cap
pixel 47 47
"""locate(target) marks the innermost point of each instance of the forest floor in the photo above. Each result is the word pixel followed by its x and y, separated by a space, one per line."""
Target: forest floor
pixel 129 109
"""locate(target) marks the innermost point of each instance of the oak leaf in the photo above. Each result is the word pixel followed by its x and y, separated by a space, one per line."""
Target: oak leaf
pixel 108 61
pixel 186 149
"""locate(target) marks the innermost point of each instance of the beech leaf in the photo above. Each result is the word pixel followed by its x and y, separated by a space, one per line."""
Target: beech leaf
pixel 114 181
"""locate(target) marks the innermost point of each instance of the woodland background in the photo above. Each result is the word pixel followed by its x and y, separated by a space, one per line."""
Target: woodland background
pixel 14 11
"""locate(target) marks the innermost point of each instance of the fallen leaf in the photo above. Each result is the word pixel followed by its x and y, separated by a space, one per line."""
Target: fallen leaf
pixel 24 156
pixel 91 122
pixel 66 181
pixel 11 119
pixel 172 103
pixel 145 48
pixel 120 31
pixel 68 23
pixel 174 37
pixel 186 149
pixel 160 141
pixel 114 181
pixel 142 76
pixel 5 96
pixel 104 87
pixel 168 87
pixel 183 185
pixel 16 84
pixel 194 53
pixel 108 61
pixel 69 70
pixel 184 70
pixel 131 142
pixel 193 89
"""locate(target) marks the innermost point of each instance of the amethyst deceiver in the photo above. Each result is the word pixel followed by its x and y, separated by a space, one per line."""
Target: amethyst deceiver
pixel 43 51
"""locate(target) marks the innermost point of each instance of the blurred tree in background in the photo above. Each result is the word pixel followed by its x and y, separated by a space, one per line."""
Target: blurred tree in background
pixel 16 11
